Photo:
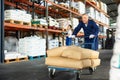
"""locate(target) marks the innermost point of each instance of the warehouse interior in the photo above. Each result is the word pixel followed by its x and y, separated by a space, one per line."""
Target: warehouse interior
pixel 30 28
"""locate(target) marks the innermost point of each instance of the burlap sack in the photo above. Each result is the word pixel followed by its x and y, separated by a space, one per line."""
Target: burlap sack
pixel 56 51
pixel 75 52
pixel 68 63
pixel 72 53
pixel 95 62
pixel 86 63
pixel 89 54
pixel 64 62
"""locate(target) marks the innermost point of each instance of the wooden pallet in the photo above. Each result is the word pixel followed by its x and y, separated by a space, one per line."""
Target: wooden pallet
pixel 57 28
pixel 18 22
pixel 64 6
pixel 39 26
pixel 74 9
pixel 27 23
pixel 64 29
pixel 59 9
pixel 44 26
pixel 52 27
pixel 52 7
pixel 35 57
pixel 16 60
pixel 78 0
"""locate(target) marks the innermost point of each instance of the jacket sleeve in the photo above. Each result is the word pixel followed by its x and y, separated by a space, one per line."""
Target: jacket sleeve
pixel 77 29
pixel 96 29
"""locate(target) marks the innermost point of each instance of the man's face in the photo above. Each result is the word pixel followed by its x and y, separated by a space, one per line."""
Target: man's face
pixel 85 19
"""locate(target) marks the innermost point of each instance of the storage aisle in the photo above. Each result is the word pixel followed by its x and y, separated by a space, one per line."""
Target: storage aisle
pixel 37 70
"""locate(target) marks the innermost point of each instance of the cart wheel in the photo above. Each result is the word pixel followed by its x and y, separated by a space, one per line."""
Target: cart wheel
pixel 91 70
pixel 94 69
pixel 77 76
pixel 51 74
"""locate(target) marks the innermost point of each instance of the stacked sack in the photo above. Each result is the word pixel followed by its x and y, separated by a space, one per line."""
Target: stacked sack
pixel 115 61
pixel 32 46
pixel 17 15
pixel 72 57
pixel 11 48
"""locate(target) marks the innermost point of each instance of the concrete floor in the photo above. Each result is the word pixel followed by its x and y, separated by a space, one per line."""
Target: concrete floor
pixel 37 70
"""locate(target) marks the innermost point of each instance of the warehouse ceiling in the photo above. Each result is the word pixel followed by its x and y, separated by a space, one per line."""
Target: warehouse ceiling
pixel 112 9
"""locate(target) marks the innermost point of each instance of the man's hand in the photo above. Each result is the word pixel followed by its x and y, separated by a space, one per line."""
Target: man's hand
pixel 91 36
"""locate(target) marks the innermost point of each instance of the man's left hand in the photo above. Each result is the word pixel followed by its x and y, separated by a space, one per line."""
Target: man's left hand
pixel 91 36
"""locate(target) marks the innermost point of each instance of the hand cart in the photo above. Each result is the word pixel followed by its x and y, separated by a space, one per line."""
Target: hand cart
pixel 77 72
pixel 87 43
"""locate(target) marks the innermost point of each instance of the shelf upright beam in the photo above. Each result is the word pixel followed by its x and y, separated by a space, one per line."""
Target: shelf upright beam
pixel 70 4
pixel 48 25
pixel 17 32
pixel 33 10
pixel 28 9
pixel 18 35
pixel 1 31
pixel 17 5
pixel 44 9
pixel 85 5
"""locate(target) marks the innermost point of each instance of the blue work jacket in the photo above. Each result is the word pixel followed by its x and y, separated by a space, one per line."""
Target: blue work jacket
pixel 91 28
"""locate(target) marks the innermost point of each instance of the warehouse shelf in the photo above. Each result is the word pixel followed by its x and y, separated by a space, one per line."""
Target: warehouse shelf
pixel 53 10
pixel 22 7
pixel 16 27
pixel 21 27
pixel 56 11
pixel 10 26
pixel 31 4
pixel 62 7
pixel 78 14
pixel 94 6
pixel 56 31
pixel 100 23
pixel 39 7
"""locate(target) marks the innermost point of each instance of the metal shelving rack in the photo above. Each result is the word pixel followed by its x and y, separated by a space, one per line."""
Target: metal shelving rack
pixel 28 7
pixel 8 25
pixel 42 10
pixel 1 31
pixel 71 13
pixel 76 14
pixel 57 6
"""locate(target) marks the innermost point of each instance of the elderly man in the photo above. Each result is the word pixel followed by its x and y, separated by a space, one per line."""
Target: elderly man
pixel 91 31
